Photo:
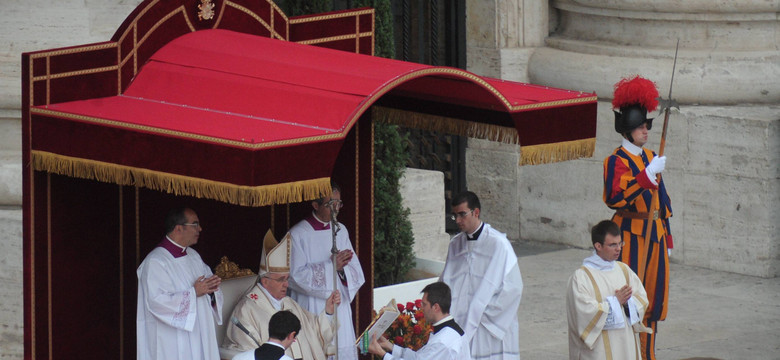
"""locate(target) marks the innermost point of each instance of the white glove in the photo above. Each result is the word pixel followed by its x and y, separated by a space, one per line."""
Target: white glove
pixel 656 166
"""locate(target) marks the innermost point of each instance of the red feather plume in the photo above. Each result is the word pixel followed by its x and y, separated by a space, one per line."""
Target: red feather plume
pixel 636 90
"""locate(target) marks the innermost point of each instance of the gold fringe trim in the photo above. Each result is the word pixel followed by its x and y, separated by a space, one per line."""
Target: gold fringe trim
pixel 416 120
pixel 556 152
pixel 256 196
pixel 530 155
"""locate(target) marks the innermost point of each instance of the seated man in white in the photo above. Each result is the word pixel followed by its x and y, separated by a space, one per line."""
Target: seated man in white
pixel 445 343
pixel 284 327
pixel 249 323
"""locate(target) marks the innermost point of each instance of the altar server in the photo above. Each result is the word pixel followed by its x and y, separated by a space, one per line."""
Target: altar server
pixel 446 342
pixel 482 271
pixel 284 327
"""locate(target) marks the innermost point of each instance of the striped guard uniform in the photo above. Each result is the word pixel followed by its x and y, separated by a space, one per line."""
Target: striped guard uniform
pixel 627 189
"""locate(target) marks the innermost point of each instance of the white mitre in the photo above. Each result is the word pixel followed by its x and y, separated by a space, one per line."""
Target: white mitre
pixel 275 257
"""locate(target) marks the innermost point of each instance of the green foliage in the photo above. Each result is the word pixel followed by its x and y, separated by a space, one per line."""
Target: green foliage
pixel 393 238
pixel 384 43
pixel 305 7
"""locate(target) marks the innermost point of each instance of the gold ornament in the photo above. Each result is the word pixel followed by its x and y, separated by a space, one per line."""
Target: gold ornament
pixel 228 269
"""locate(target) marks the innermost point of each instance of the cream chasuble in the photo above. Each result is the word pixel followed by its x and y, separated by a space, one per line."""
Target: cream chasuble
pixel 598 325
pixel 254 311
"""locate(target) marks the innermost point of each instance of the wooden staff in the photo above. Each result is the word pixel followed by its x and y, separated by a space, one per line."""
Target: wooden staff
pixel 653 214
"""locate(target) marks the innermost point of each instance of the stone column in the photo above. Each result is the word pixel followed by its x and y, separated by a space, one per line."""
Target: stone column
pixel 723 147
pixel 728 49
pixel 502 34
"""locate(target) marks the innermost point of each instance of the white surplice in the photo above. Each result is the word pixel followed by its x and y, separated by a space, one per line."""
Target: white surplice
pixel 597 322
pixel 445 344
pixel 486 288
pixel 254 311
pixel 311 278
pixel 171 322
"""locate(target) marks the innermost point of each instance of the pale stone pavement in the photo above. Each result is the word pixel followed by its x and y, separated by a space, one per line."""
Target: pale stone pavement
pixel 712 314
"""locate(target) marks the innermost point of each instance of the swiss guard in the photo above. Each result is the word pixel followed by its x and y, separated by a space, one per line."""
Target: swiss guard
pixel 633 187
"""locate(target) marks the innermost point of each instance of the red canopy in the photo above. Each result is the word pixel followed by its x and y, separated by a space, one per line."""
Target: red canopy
pixel 173 105
pixel 219 97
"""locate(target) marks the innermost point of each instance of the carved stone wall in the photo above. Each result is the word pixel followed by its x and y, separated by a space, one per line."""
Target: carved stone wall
pixel 501 36
pixel 728 50
pixel 492 174
pixel 423 193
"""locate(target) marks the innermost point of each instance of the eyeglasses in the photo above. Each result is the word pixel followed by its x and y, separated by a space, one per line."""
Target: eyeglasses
pixel 460 215
pixel 283 279
pixel 615 245
pixel 194 223
pixel 334 203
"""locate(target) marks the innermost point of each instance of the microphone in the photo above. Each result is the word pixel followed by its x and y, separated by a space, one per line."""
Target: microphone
pixel 244 329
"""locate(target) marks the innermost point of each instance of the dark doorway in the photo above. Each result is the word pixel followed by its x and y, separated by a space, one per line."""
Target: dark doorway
pixel 429 32
pixel 434 32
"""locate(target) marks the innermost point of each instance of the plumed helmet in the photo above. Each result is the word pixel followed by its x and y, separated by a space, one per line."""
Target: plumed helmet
pixel 634 97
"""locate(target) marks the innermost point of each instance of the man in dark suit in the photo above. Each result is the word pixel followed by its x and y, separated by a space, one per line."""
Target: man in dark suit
pixel 282 330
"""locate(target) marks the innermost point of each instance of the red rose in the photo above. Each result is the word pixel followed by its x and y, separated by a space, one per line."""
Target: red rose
pixel 410 306
pixel 418 315
pixel 417 329
pixel 400 307
pixel 418 302
pixel 398 340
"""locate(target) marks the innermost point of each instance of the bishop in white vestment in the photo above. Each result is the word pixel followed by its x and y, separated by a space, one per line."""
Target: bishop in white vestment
pixel 254 310
pixel 605 302
pixel 311 273
pixel 482 271
pixel 179 300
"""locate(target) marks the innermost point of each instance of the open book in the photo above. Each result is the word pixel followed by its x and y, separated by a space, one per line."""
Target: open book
pixel 384 318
